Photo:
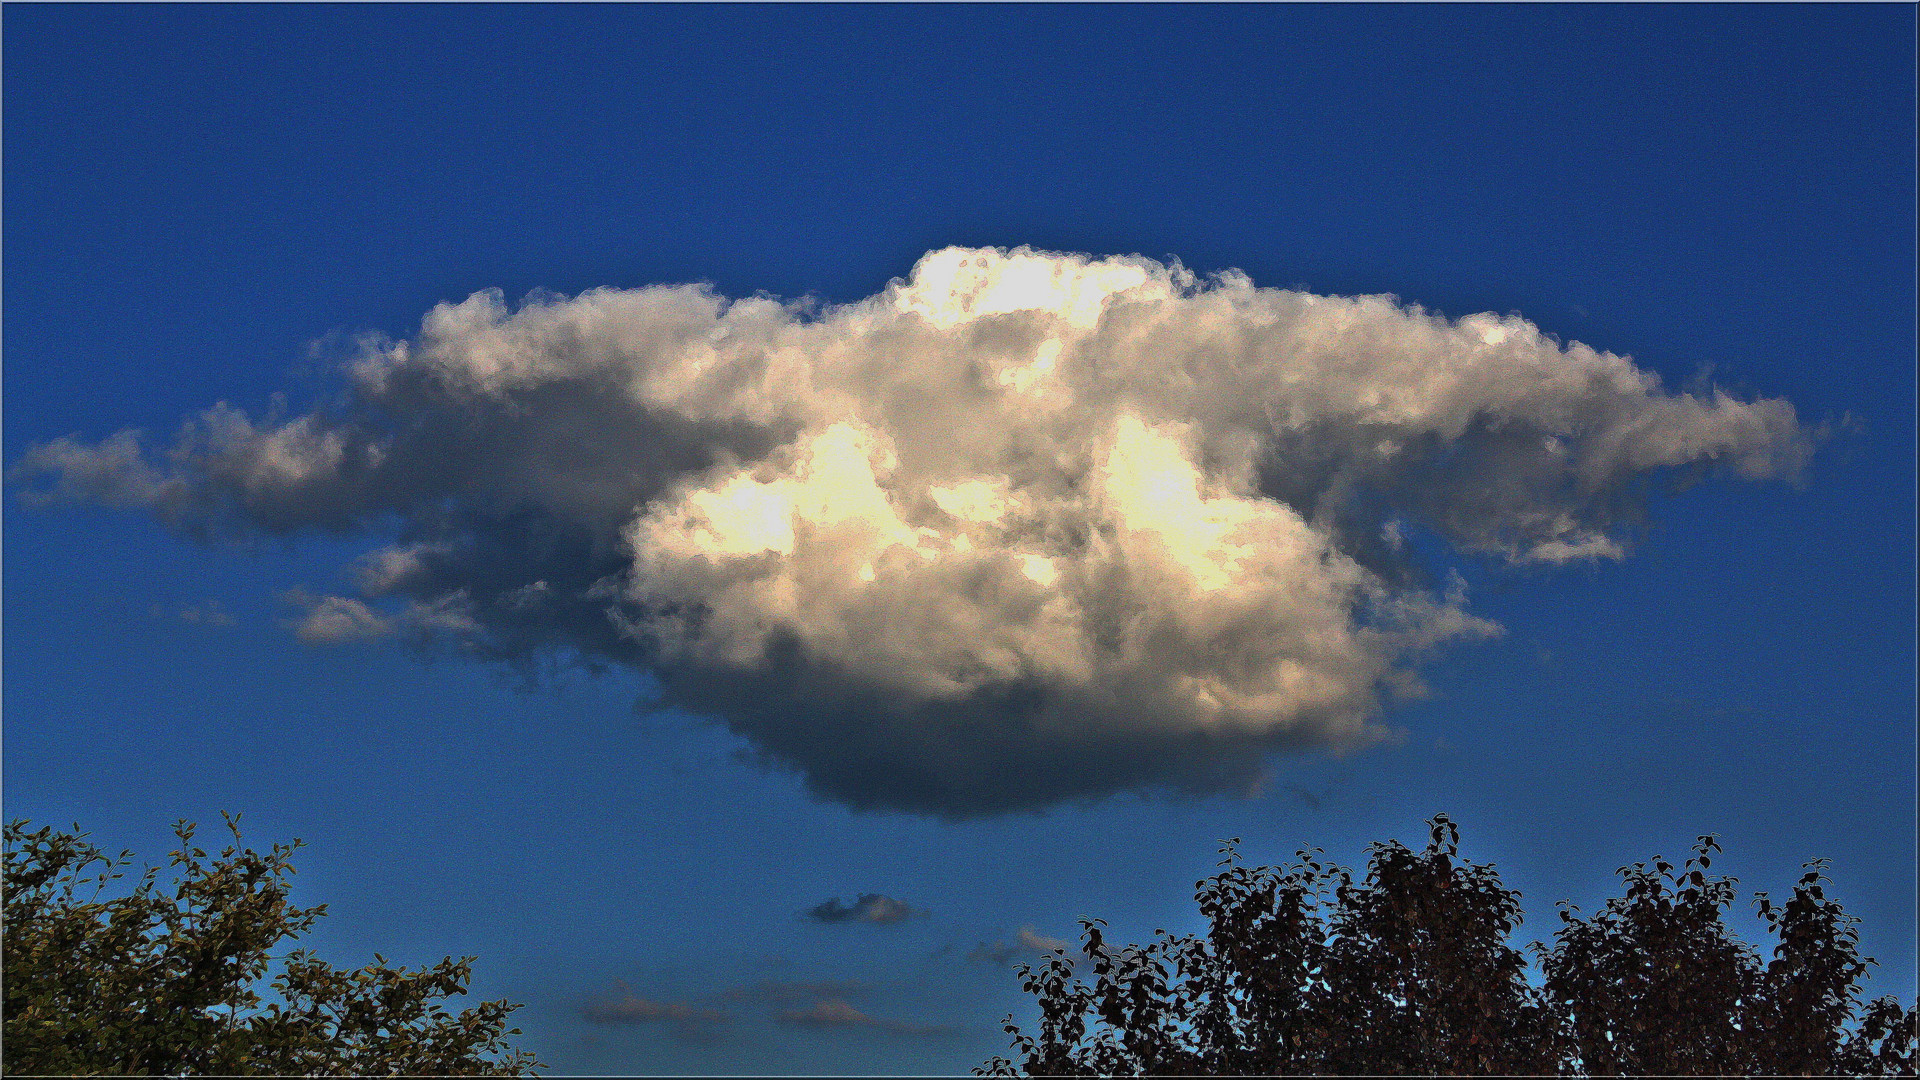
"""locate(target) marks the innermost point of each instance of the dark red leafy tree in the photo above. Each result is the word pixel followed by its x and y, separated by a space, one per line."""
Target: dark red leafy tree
pixel 1654 982
pixel 1303 970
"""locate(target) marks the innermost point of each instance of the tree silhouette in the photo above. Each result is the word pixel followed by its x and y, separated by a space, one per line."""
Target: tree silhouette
pixel 1303 970
pixel 163 981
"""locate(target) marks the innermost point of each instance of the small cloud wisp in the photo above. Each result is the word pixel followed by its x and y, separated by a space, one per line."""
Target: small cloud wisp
pixel 1027 941
pixel 690 1023
pixel 829 1014
pixel 867 908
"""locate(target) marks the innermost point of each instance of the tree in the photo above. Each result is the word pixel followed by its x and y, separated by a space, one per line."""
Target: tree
pixel 1304 970
pixel 169 981
pixel 1420 974
pixel 1654 983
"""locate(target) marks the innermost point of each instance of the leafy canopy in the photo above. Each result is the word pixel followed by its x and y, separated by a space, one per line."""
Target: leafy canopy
pixel 168 980
pixel 1304 970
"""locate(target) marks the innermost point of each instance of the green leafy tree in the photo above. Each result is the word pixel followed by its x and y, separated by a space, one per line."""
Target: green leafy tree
pixel 1303 970
pixel 169 980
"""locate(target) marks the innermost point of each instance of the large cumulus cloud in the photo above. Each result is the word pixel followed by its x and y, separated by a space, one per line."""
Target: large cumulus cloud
pixel 1019 528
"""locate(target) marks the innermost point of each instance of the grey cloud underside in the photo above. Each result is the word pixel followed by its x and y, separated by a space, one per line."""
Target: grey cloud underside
pixel 999 748
pixel 1023 528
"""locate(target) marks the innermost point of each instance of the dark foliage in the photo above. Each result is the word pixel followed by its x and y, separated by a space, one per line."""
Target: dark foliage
pixel 1303 970
pixel 167 981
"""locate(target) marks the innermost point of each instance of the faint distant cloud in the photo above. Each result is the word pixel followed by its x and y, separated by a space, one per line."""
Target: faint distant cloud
pixel 835 1014
pixel 1696 711
pixel 206 613
pixel 868 908
pixel 1312 800
pixel 690 1022
pixel 1040 942
pixel 787 993
pixel 632 1009
pixel 999 954
pixel 334 620
pixel 1028 940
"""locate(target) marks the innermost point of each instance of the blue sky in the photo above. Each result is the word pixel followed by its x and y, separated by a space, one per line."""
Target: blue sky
pixel 225 203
